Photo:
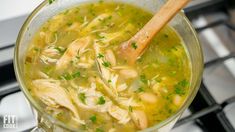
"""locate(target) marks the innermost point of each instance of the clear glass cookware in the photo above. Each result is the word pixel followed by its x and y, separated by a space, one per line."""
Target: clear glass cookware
pixel 45 11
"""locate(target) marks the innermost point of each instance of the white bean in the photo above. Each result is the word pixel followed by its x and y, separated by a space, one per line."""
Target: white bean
pixel 128 73
pixel 159 89
pixel 177 100
pixel 148 97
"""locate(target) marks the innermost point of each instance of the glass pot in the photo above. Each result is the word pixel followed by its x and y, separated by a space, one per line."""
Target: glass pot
pixel 45 11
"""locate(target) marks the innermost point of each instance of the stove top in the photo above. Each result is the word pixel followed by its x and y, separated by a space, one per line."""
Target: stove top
pixel 212 110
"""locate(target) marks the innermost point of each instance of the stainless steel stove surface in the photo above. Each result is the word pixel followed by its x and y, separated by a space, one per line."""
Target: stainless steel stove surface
pixel 213 109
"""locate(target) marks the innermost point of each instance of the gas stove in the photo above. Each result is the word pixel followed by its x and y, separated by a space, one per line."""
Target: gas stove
pixel 213 109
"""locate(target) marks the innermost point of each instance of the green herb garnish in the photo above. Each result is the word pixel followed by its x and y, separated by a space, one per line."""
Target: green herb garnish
pixel 101 100
pixel 100 56
pixel 180 87
pixel 69 24
pixel 143 79
pixel 130 109
pixel 99 130
pixel 93 118
pixel 84 127
pixel 50 1
pixel 134 46
pixel 106 64
pixel 99 36
pixel 68 76
pixel 166 35
pixel 78 57
pixel 110 17
pixel 76 74
pixel 139 90
pixel 82 97
pixel 36 49
pixel 60 50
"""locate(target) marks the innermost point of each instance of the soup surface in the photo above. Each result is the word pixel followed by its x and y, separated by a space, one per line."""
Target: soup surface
pixel 72 69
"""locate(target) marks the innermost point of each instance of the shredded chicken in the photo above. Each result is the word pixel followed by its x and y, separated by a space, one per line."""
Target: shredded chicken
pixel 72 50
pixel 91 98
pixel 120 114
pixel 50 54
pixel 42 75
pixel 52 51
pixel 107 89
pixel 122 87
pixel 109 77
pixel 140 119
pixel 109 55
pixel 53 95
pixel 128 102
pixel 108 37
pixel 47 60
pixel 95 22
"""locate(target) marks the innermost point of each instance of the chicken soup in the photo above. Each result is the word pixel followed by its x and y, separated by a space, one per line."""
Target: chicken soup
pixel 74 72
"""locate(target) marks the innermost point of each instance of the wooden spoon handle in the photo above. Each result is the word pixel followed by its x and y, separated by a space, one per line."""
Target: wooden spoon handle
pixel 159 20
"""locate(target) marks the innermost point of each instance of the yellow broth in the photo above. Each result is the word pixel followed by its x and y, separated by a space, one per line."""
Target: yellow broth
pixel 73 70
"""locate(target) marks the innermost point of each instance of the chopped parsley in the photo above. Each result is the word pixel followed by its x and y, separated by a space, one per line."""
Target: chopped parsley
pixel 106 64
pixel 50 1
pixel 110 17
pixel 99 36
pixel 109 81
pixel 36 49
pixel 76 74
pixel 82 97
pixel 68 76
pixel 173 73
pixel 139 90
pixel 180 87
pixel 60 50
pixel 143 79
pixel 101 100
pixel 93 118
pixel 84 127
pixel 99 130
pixel 78 57
pixel 130 109
pixel 166 35
pixel 100 56
pixel 69 24
pixel 133 45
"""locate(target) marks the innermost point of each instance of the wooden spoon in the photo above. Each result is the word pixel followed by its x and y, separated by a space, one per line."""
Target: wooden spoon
pixel 133 48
